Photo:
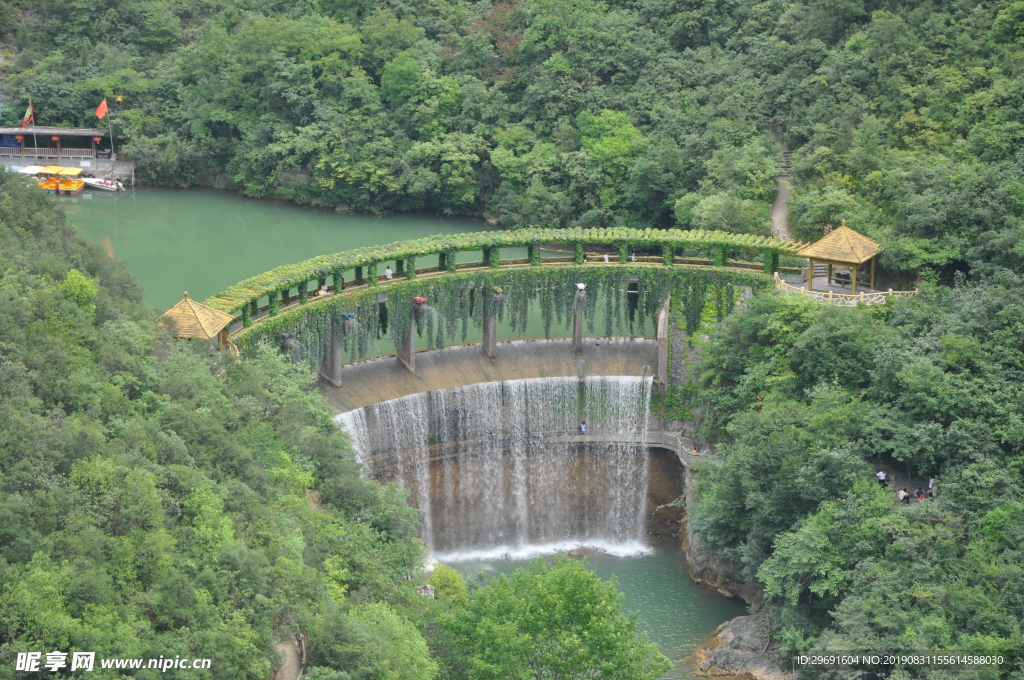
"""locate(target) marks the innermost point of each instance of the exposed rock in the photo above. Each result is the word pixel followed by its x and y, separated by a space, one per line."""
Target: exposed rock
pixel 425 590
pixel 713 571
pixel 493 221
pixel 736 650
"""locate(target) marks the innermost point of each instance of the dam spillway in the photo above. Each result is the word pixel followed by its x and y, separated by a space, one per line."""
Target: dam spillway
pixel 493 468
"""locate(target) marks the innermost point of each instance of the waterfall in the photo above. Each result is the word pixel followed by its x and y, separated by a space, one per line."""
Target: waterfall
pixel 500 468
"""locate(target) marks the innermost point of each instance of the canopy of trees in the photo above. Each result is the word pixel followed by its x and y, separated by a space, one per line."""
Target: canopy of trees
pixel 904 117
pixel 155 501
pixel 808 399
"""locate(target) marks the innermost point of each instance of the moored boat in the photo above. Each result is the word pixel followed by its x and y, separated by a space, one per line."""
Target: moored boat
pixel 103 184
pixel 58 180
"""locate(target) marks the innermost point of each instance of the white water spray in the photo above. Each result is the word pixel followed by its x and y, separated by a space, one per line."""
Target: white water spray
pixel 501 469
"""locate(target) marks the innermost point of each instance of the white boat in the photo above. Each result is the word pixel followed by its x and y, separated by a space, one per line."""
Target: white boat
pixel 31 170
pixel 103 184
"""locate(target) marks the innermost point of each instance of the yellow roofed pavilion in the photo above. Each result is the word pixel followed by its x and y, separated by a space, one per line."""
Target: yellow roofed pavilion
pixel 843 247
pixel 195 320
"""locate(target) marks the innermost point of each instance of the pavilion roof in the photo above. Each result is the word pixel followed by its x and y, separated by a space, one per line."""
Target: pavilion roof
pixel 196 320
pixel 842 245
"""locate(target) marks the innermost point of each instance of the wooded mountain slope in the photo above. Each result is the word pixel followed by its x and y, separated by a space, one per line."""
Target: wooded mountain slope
pixel 904 118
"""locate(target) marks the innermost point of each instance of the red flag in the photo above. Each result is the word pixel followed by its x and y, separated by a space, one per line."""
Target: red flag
pixel 30 116
pixel 101 110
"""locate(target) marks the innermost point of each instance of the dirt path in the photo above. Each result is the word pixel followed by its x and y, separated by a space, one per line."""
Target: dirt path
pixel 291 667
pixel 780 207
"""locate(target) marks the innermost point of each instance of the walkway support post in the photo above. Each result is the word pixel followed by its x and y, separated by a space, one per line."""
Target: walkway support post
pixel 533 253
pixel 490 340
pixel 661 376
pixel 408 354
pixel 330 363
pixel 577 320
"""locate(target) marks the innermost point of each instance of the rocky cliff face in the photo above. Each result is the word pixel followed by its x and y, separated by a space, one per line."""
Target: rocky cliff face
pixel 739 647
pixel 713 571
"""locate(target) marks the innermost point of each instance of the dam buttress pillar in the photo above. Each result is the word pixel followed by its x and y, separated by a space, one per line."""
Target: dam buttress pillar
pixel 330 364
pixel 490 339
pixel 661 375
pixel 577 320
pixel 408 354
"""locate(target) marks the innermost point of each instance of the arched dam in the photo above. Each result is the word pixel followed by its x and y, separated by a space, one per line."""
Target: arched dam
pixel 521 447
pixel 502 467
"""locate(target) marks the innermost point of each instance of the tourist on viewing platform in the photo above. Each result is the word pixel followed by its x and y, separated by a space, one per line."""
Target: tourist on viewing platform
pixel 341 283
pixel 583 427
pixel 606 257
pixel 322 291
pixel 387 273
pixel 632 256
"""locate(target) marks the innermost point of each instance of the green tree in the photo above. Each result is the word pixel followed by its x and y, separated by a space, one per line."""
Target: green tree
pixel 394 644
pixel 552 620
pixel 449 585
pixel 400 80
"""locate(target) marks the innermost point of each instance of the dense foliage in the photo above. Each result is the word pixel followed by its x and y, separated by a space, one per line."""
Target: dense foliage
pixel 158 501
pixel 548 620
pixel 809 399
pixel 904 117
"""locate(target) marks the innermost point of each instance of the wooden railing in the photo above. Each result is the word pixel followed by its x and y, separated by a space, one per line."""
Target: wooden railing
pixel 43 152
pixel 873 297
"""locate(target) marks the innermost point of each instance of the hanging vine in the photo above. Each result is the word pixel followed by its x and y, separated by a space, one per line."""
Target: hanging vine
pixel 456 302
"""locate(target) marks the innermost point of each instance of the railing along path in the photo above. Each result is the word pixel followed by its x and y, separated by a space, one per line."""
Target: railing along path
pixel 874 297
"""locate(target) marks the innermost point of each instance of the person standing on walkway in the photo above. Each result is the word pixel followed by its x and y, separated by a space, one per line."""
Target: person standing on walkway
pixel 606 257
pixel 583 427
pixel 387 273
pixel 881 477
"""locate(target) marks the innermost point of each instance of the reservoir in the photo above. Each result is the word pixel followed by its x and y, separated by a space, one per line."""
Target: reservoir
pixel 203 241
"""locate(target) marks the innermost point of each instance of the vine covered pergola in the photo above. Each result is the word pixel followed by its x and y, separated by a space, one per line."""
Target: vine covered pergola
pixel 275 285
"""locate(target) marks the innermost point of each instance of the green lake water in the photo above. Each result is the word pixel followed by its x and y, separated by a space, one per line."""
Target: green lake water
pixel 203 241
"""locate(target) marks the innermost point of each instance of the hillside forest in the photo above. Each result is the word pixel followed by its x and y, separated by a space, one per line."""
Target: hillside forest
pixel 904 118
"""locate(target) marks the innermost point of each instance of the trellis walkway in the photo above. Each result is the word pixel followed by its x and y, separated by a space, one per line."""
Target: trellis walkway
pixel 245 299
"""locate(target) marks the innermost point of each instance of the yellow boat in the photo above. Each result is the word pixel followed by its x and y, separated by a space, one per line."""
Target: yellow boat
pixel 58 180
